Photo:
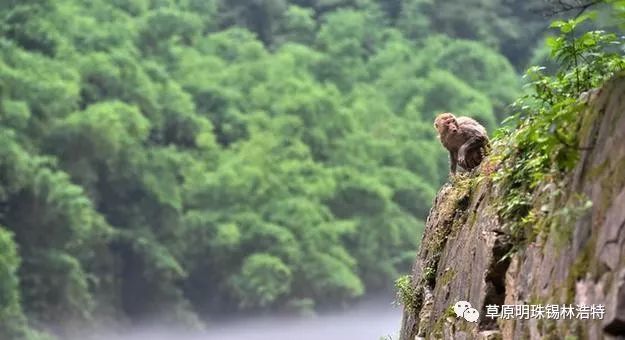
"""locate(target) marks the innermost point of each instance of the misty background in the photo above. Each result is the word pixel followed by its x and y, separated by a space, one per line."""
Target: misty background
pixel 373 319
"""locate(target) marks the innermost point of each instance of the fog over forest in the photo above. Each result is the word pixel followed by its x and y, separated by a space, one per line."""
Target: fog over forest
pixel 373 320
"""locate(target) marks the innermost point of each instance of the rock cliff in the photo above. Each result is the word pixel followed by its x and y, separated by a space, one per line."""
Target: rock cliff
pixel 577 257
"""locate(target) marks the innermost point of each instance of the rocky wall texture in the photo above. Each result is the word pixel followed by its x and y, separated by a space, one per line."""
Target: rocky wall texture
pixel 466 253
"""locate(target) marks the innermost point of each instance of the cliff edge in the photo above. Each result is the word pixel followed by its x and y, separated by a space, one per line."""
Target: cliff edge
pixel 572 256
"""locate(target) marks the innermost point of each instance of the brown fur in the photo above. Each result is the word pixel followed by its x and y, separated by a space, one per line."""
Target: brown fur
pixel 464 138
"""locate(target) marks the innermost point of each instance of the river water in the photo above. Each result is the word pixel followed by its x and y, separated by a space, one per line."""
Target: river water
pixel 373 320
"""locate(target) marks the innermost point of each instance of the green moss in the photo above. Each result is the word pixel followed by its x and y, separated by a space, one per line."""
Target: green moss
pixel 429 274
pixel 540 226
pixel 437 328
pixel 539 323
pixel 587 122
pixel 612 184
pixel 598 170
pixel 431 266
pixel 457 224
pixel 450 219
pixel 580 267
pixel 550 330
pixel 471 219
pixel 447 277
pixel 562 221
pixel 514 207
pixel 613 91
pixel 459 191
pixel 449 312
pixel 579 328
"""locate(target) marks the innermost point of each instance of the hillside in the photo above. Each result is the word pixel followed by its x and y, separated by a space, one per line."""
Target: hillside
pixel 565 246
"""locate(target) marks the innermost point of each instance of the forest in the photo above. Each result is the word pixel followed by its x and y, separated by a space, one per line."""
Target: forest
pixel 190 159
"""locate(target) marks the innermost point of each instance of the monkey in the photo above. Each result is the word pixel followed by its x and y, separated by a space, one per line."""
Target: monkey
pixel 464 138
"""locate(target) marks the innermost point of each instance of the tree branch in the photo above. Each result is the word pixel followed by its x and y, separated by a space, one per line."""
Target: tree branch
pixel 564 6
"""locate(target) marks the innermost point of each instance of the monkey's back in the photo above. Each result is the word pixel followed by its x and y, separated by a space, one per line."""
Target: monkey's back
pixel 471 126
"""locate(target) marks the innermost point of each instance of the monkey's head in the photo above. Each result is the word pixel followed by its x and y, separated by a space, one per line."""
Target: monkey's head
pixel 446 123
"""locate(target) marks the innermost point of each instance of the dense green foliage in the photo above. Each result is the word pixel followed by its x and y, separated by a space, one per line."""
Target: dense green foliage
pixel 185 158
pixel 543 145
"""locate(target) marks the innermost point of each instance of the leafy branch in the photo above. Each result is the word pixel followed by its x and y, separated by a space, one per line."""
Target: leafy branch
pixel 545 143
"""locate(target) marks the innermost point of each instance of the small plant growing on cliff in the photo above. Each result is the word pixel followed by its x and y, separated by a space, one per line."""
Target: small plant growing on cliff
pixel 546 118
pixel 406 294
pixel 429 274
